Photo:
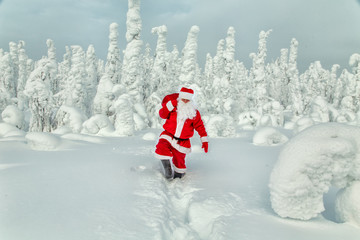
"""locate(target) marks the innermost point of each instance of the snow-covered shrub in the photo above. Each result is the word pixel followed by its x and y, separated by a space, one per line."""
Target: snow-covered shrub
pixel 9 130
pixel 70 117
pixel 14 116
pixel 312 161
pixel 319 111
pixel 42 141
pixel 302 124
pixel 249 120
pixel 347 204
pixel 220 126
pixel 268 136
pixel 98 124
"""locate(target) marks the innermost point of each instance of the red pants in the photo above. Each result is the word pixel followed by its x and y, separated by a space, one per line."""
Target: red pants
pixel 164 150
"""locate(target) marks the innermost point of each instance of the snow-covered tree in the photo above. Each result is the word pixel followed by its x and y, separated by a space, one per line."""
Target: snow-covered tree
pixel 77 88
pixel 113 61
pixel 158 79
pixel 23 76
pixel 257 72
pixel 38 91
pixel 53 66
pixel 189 58
pixel 6 81
pixel 132 75
pixel 294 83
pixel 354 62
pixel 92 78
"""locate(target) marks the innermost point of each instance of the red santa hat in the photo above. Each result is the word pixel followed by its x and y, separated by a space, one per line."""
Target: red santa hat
pixel 186 93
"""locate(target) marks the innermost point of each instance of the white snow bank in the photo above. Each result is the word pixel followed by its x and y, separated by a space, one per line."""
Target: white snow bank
pixel 9 130
pixel 43 141
pixel 150 136
pixel 85 138
pixel 269 136
pixel 98 124
pixel 320 156
pixel 13 116
pixel 347 204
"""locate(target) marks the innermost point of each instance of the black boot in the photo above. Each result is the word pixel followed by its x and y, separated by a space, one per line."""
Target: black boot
pixel 178 175
pixel 167 168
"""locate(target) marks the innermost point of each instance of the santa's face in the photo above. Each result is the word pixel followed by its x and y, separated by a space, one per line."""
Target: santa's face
pixel 186 109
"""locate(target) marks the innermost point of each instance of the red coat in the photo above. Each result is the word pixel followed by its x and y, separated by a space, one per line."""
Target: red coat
pixel 181 130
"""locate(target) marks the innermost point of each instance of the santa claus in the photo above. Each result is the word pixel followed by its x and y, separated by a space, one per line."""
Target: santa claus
pixel 182 118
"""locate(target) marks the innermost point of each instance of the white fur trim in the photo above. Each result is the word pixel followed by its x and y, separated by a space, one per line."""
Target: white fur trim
pixel 179 127
pixel 204 139
pixel 162 156
pixel 179 170
pixel 169 106
pixel 186 95
pixel 175 145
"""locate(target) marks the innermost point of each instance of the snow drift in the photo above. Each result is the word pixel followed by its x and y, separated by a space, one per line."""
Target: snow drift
pixel 311 162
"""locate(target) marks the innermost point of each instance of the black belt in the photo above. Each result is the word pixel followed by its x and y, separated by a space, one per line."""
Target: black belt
pixel 180 139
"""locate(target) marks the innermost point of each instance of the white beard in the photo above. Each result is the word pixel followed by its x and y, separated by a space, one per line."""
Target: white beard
pixel 185 110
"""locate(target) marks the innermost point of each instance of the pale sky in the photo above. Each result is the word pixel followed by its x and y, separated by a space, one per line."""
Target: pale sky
pixel 327 30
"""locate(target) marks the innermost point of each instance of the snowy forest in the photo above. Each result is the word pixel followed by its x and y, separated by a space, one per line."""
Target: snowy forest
pixel 122 94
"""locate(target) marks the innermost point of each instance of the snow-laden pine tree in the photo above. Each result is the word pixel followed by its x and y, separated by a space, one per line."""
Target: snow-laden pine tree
pixel 158 79
pixel 230 80
pixel 113 61
pixel 77 89
pixel 293 77
pixel 53 66
pixel 14 55
pixel 92 78
pixel 218 72
pixel 132 75
pixel 278 83
pixel 354 62
pixel 38 91
pixel 332 84
pixel 6 79
pixel 63 78
pixel 22 102
pixel 257 74
pixel 189 58
pixel 147 65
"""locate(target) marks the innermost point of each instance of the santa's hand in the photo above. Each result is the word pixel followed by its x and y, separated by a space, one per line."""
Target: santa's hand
pixel 205 146
pixel 171 105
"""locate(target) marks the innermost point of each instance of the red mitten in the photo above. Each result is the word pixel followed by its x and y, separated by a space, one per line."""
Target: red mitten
pixel 205 146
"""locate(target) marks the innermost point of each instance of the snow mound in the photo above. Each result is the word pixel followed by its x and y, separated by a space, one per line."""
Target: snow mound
pixel 81 137
pixel 320 156
pixel 43 141
pixel 98 124
pixel 347 205
pixel 13 116
pixel 303 123
pixel 269 136
pixel 9 130
pixel 150 137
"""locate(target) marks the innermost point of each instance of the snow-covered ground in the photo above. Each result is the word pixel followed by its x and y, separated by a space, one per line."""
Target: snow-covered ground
pixel 77 187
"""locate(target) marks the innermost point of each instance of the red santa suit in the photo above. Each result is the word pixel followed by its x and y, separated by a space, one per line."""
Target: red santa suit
pixel 174 141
